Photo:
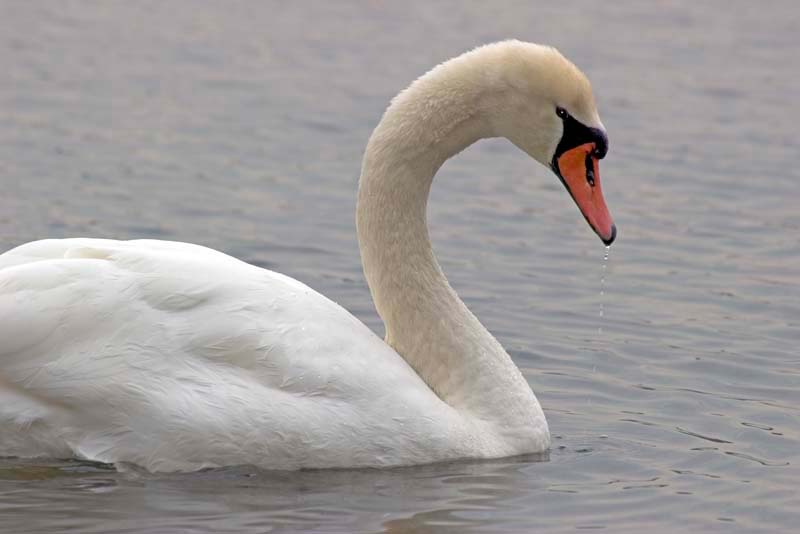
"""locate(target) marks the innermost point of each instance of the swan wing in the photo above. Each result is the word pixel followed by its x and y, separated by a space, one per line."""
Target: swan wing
pixel 176 357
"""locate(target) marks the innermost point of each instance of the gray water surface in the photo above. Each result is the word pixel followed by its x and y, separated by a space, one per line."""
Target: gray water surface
pixel 240 126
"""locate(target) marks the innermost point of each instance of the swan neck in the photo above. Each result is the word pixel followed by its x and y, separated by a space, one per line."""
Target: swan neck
pixel 426 322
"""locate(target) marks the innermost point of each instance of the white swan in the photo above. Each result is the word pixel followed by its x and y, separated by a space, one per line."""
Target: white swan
pixel 176 357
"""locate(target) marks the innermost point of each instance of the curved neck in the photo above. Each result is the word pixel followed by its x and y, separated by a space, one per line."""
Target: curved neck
pixel 426 322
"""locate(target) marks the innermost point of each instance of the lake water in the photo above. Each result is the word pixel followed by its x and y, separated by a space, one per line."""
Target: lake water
pixel 241 126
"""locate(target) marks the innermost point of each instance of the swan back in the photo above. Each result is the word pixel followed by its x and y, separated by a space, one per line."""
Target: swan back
pixel 177 357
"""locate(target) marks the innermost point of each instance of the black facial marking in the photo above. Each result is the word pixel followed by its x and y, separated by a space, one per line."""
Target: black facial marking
pixel 576 134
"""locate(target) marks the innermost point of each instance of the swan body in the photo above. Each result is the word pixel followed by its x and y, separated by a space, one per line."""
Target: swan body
pixel 176 357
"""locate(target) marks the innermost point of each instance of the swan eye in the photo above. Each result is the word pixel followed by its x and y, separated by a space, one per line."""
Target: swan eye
pixel 561 112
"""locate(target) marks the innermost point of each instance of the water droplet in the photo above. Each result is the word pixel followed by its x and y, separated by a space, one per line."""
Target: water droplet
pixel 603 288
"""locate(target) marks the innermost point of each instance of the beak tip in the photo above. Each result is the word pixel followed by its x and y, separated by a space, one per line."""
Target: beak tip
pixel 613 236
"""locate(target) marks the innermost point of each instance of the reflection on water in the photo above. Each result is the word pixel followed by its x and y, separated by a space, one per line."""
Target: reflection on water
pixel 241 126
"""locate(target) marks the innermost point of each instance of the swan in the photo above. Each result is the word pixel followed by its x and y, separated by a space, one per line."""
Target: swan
pixel 175 357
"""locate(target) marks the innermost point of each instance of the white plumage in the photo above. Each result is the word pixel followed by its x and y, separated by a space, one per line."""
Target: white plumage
pixel 176 357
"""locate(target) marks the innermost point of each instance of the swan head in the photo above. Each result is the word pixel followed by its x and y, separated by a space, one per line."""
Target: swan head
pixel 545 106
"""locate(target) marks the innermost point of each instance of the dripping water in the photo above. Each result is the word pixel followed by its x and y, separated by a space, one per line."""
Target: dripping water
pixel 603 288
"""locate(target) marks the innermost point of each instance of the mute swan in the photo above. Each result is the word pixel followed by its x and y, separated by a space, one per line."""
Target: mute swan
pixel 176 357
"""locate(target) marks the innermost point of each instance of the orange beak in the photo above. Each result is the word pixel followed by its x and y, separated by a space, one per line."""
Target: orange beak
pixel 579 172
